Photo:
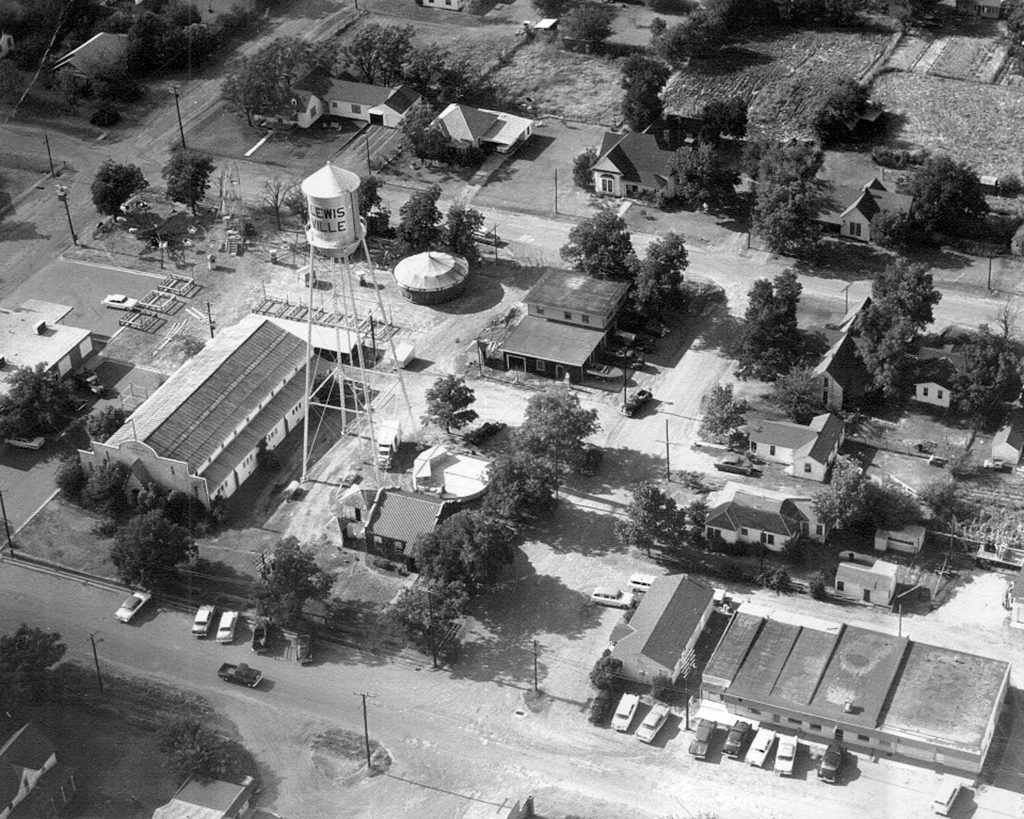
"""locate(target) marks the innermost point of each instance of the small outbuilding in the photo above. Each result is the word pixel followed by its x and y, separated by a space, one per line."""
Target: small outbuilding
pixel 1008 443
pixel 909 539
pixel 432 277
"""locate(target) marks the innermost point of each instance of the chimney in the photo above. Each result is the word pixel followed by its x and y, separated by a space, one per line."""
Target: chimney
pixel 848 707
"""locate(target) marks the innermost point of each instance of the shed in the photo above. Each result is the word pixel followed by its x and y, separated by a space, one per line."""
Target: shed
pixel 432 277
pixel 864 578
pixel 909 539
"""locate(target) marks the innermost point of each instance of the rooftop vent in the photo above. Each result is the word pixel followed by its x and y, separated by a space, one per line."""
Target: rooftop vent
pixel 848 707
pixel 39 327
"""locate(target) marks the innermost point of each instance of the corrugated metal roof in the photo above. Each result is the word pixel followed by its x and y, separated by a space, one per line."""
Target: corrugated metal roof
pixel 575 291
pixel 551 341
pixel 403 516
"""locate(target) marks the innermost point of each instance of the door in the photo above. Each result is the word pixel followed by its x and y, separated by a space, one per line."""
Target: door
pixel 376 119
pixel 559 371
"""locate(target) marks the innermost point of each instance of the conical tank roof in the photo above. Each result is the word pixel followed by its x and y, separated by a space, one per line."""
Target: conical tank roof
pixel 432 270
pixel 330 182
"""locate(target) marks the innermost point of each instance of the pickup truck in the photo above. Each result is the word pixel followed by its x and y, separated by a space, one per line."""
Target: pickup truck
pixel 240 674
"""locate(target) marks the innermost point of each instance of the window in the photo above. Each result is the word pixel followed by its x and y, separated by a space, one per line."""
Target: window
pixel 776 718
pixel 793 721
pixel 447 2
pixel 807 466
pixel 357 109
pixel 924 391
pixel 884 743
pixel 744 531
pixel 359 513
pixel 839 733
pixel 867 595
pixel 541 366
pixel 840 585
pixel 607 184
pixel 855 228
pixel 753 446
pixel 567 315
pixel 754 711
pixel 863 738
pixel 767 539
pixel 540 311
pixel 938 394
pixel 814 726
pixel 819 529
pixel 824 395
pixel 584 318
pixel 771 449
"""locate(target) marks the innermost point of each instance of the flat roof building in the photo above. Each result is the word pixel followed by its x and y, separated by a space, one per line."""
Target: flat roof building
pixel 877 692
pixel 34 334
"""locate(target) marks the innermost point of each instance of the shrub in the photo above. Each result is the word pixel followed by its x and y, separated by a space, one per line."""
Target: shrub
pixel 662 689
pixel 816 585
pixel 672 6
pixel 898 158
pixel 775 579
pixel 601 708
pixel 71 477
pixel 105 116
pixel 733 572
pixel 1010 185
pixel 605 674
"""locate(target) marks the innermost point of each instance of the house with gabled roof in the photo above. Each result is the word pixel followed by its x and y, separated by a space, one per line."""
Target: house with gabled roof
pixel 1008 442
pixel 659 638
pixel 447 5
pixel 209 799
pixel 936 370
pixel 990 9
pixel 633 164
pixel 32 781
pixel 852 208
pixel 397 518
pixel 864 578
pixel 751 514
pixel 467 127
pixel 807 449
pixel 841 375
pixel 318 94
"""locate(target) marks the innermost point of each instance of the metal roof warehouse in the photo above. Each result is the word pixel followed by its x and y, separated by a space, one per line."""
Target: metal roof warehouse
pixel 873 691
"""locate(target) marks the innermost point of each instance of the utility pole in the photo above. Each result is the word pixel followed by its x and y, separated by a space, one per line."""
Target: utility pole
pixel 990 271
pixel 7 528
pixel 46 138
pixel 369 169
pixel 62 196
pixel 556 190
pixel 177 108
pixel 536 688
pixel 366 730
pixel 430 627
pixel 686 694
pixel 668 457
pixel 209 318
pixel 96 659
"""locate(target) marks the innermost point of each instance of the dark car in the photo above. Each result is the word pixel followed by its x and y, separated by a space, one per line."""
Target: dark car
pixel 304 647
pixel 486 430
pixel 734 463
pixel 591 460
pixel 260 636
pixel 635 402
pixel 737 739
pixel 702 740
pixel 831 762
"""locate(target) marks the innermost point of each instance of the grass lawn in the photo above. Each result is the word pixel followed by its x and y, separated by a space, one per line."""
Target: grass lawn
pixel 63 533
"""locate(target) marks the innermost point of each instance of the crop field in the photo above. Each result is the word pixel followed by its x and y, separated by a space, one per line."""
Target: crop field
pixel 793 64
pixel 969 58
pixel 985 132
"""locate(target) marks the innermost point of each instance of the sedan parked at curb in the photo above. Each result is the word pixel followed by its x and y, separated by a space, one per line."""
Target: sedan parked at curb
pixel 625 712
pixel 653 722
pixel 701 744
pixel 226 629
pixel 119 301
pixel 131 606
pixel 736 464
pixel 737 738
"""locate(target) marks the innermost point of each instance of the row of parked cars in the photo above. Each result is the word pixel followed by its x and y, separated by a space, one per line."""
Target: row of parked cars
pixel 758 746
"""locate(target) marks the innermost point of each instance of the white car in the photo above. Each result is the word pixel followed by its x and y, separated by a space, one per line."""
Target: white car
pixel 785 755
pixel 653 722
pixel 130 607
pixel 119 301
pixel 605 596
pixel 760 747
pixel 204 620
pixel 226 629
pixel 624 713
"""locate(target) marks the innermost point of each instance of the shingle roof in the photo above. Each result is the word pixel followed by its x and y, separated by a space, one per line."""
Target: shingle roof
pixel 199 407
pixel 842 361
pixel 1012 431
pixel 785 434
pixel 404 516
pixel 205 800
pixel 331 88
pixel 637 157
pixel 752 511
pixel 666 618
pixel 575 291
pixel 552 341
pixel 829 430
pixel 403 98
pixel 939 365
pixel 461 122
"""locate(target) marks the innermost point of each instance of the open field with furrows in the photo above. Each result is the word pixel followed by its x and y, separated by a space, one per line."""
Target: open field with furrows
pixel 984 131
pixel 969 58
pixel 798 60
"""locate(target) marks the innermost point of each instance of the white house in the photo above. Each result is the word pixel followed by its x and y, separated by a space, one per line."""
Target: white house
pixel 746 514
pixel 1008 442
pixel 807 450
pixel 468 127
pixel 908 539
pixel 938 366
pixel 841 375
pixel 853 208
pixel 317 94
pixel 447 5
pixel 863 578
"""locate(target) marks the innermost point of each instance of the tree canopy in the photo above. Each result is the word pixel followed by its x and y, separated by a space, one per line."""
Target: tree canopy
pixel 448 403
pixel 722 413
pixel 25 659
pixel 947 196
pixel 771 342
pixel 194 749
pixel 588 22
pixel 425 612
pixel 652 518
pixel 292 578
pixel 601 246
pixel 798 394
pixel 721 118
pixel 420 226
pixel 642 80
pixel 148 549
pixel 990 373
pixel 555 426
pixel 659 279
pixel 38 401
pixel 104 423
pixel 114 185
pixel 583 166
pixel 470 547
pixel 845 101
pixel 187 176
pixel 461 227
pixel 521 487
pixel 703 179
pixel 787 197
pixel 380 52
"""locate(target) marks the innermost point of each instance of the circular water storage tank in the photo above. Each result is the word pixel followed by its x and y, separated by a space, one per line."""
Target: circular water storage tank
pixel 332 196
pixel 432 277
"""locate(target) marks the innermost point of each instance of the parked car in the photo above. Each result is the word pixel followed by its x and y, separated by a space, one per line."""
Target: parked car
pixel 831 762
pixel 759 749
pixel 204 620
pixel 486 430
pixel 625 712
pixel 635 402
pixel 591 460
pixel 653 722
pixel 701 744
pixel 785 755
pixel 641 583
pixel 131 606
pixel 260 636
pixel 304 647
pixel 119 301
pixel 736 739
pixel 88 380
pixel 615 598
pixel 737 464
pixel 226 629
pixel 945 796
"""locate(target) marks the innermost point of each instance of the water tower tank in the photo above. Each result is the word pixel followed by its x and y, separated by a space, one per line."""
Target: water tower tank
pixel 332 195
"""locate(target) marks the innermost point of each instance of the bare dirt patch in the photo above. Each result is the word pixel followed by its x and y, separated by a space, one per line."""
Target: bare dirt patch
pixel 63 533
pixel 985 133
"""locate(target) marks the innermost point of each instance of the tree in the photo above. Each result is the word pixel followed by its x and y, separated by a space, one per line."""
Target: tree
pixel 195 750
pixel 555 426
pixel 553 8
pixel 448 401
pixel 254 82
pixel 101 425
pixel 606 675
pixel 292 578
pixel 11 79
pixel 600 246
pixel 274 193
pixel 844 501
pixel 187 175
pixel 844 101
pixel 427 139
pixel 721 118
pixel 659 279
pixel 295 201
pixel 787 197
pixel 652 518
pixel 588 22
pixel 149 548
pixel 947 196
pixel 817 586
pixel 703 179
pixel 798 394
pixel 521 486
pixel 696 36
pixel 369 195
pixel 990 373
pixel 423 612
pixel 776 579
pixel 420 226
pixel 114 185
pixel 38 401
pixel 460 231
pixel 469 547
pixel 106 487
pixel 722 413
pixel 642 80
pixel 71 477
pixel 583 168
pixel 25 659
pixel 895 230
pixel 697 513
pixel 771 341
pixel 379 52
pixel 903 298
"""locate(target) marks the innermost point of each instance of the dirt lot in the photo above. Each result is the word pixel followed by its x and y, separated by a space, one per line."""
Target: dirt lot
pixel 985 132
